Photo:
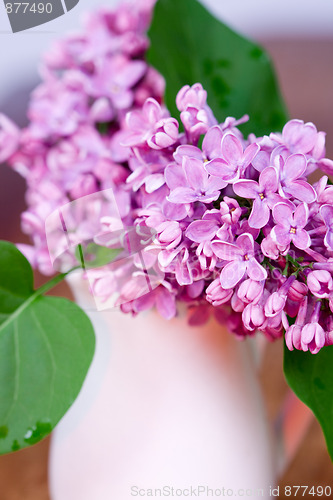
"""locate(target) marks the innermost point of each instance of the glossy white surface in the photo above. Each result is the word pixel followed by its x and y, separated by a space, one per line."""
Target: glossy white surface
pixel 164 404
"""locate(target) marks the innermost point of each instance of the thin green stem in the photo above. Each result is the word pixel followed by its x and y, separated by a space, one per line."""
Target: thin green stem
pixel 285 270
pixel 53 282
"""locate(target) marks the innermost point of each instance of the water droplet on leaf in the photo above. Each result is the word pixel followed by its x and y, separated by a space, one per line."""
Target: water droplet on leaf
pixel 37 432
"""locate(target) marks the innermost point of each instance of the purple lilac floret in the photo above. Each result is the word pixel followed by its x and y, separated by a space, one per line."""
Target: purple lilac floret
pixel 240 231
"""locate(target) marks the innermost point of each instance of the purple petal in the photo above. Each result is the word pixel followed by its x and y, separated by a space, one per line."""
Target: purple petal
pixel 102 111
pixel 302 137
pixel 255 271
pixel 246 188
pixel 232 149
pixel 301 190
pixel 261 161
pixel 308 332
pixel 165 303
pixel 289 338
pixel 326 212
pixel 183 275
pixel 250 153
pixel 215 184
pixel 187 150
pixel 170 232
pixel 202 230
pixel 301 239
pixel 328 240
pixel 218 168
pixel 208 197
pixel 282 214
pixel 326 194
pixel 211 145
pixel 132 139
pixel 326 166
pixel 232 273
pixel 273 199
pixel 226 251
pixel 130 74
pixel 122 99
pixel 153 182
pixel 319 337
pixel 301 215
pixel 174 176
pixel 182 195
pixel 152 110
pixel 246 243
pixel 135 120
pixel 174 211
pixel 260 214
pixel 195 173
pixel 297 339
pixel 145 301
pixel 281 235
pixel 268 180
pixel 294 167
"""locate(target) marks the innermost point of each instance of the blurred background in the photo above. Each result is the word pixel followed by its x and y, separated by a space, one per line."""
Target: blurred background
pixel 299 37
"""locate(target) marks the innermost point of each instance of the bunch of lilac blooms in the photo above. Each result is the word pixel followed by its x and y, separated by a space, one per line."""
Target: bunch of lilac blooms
pixel 71 147
pixel 239 230
pixel 239 227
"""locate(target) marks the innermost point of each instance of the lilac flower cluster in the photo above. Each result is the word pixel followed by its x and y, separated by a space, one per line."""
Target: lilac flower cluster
pixel 238 224
pixel 240 231
pixel 71 147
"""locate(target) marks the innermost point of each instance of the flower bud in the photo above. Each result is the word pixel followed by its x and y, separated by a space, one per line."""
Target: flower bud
pixel 275 304
pixel 165 134
pixel 253 316
pixel 320 283
pixel 236 303
pixel 312 337
pixel 250 291
pixel 297 291
pixel 293 337
pixel 217 295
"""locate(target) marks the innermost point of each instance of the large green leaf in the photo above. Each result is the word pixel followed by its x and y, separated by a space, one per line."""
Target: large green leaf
pixel 46 347
pixel 311 377
pixel 189 45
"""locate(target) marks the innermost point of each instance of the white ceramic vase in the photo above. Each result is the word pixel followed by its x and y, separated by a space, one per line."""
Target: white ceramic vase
pixel 165 405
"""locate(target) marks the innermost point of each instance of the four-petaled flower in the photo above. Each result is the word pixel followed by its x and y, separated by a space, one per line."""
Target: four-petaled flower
pixel 190 182
pixel 263 193
pixel 195 115
pixel 291 178
pixel 298 136
pixel 234 160
pixel 290 226
pixel 151 125
pixel 242 259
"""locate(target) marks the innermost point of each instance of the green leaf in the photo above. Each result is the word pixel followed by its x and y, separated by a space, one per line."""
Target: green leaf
pixel 189 45
pixel 310 376
pixel 16 280
pixel 46 347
